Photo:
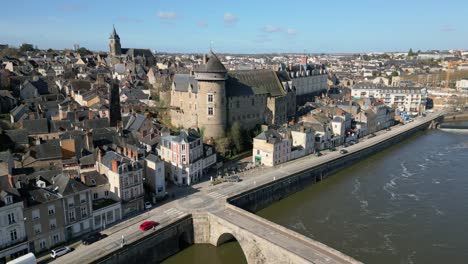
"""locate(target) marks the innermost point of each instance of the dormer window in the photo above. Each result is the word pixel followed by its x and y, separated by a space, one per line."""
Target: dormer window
pixel 210 98
pixel 8 199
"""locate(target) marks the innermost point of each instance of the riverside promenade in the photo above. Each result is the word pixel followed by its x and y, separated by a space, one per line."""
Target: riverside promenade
pixel 261 240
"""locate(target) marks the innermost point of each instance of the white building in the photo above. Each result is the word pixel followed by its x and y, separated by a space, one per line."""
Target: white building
pixel 186 157
pixel 270 148
pixel 125 180
pixel 155 176
pixel 404 99
pixel 12 231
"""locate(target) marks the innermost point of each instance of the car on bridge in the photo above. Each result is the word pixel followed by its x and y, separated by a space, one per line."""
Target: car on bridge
pixel 233 178
pixel 147 225
pixel 343 151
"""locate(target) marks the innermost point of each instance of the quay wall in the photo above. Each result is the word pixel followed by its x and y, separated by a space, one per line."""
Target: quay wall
pixel 262 196
pixel 155 247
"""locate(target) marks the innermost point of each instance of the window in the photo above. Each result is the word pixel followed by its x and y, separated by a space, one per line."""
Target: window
pixel 183 159
pixel 210 111
pixel 37 229
pixel 71 216
pixel 84 212
pixel 71 202
pixel 52 224
pixel 56 238
pixel 83 198
pixel 35 214
pixel 106 193
pixel 11 218
pixel 237 104
pixel 95 196
pixel 8 200
pixel 253 101
pixel 210 98
pixel 51 209
pixel 13 235
pixel 258 152
pixel 42 244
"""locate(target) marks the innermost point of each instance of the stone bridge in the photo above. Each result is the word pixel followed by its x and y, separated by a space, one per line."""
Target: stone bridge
pixel 261 240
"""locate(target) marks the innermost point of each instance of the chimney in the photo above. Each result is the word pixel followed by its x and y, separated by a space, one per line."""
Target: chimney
pixel 204 59
pixel 89 140
pixel 290 67
pixel 90 115
pixel 11 180
pixel 99 155
pixel 115 165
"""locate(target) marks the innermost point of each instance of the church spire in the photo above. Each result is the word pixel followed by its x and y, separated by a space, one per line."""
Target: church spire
pixel 114 34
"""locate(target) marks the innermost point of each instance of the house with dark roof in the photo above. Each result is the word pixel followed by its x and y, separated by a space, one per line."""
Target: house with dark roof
pixel 125 180
pixel 7 101
pixel 270 148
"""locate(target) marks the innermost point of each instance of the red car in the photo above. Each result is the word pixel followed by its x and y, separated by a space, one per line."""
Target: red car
pixel 147 225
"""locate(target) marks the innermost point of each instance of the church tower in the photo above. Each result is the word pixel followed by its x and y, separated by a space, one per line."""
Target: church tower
pixel 114 44
pixel 211 99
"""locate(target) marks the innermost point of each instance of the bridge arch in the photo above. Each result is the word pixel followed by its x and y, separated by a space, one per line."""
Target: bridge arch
pixel 249 251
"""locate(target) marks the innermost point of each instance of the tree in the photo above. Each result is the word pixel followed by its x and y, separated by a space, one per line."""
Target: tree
pixel 26 47
pixel 222 145
pixel 83 51
pixel 394 74
pixel 410 52
pixel 236 135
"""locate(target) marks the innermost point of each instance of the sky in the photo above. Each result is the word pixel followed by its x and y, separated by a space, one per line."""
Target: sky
pixel 239 26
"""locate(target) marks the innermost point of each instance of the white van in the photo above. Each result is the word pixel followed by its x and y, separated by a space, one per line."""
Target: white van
pixel 25 259
pixel 59 252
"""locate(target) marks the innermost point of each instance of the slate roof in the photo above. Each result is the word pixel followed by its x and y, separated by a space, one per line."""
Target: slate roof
pixel 40 84
pixel 49 150
pixel 60 126
pixel 19 136
pixel 182 81
pixel 111 155
pixel 67 186
pixel 36 126
pixel 96 123
pixel 135 122
pixel 251 82
pixel 213 64
pixel 271 136
pixel 137 52
pixel 93 178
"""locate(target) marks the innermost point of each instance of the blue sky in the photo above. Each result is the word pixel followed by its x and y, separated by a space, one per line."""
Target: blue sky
pixel 241 26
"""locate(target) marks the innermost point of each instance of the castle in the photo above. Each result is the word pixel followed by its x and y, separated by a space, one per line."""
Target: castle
pixel 212 99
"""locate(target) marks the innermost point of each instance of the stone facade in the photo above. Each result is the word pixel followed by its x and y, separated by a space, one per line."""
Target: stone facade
pixel 212 98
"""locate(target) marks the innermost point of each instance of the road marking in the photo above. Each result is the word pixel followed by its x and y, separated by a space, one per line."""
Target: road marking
pixel 217 195
pixel 173 212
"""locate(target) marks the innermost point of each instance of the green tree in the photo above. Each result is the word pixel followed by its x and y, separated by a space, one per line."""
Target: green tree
pixel 410 52
pixel 26 47
pixel 236 135
pixel 83 51
pixel 394 74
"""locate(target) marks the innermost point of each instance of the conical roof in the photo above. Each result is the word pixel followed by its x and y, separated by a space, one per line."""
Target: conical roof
pixel 213 64
pixel 114 34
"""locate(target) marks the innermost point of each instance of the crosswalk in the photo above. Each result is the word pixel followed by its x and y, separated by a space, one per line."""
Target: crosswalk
pixel 173 212
pixel 217 195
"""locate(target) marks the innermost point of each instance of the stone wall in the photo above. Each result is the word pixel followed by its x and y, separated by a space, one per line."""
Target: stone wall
pixel 155 247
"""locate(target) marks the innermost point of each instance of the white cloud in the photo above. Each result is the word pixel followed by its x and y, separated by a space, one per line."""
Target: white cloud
pixel 229 19
pixel 166 15
pixel 291 31
pixel 271 28
pixel 447 28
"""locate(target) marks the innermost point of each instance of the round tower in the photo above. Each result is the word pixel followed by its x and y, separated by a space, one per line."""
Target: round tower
pixel 211 98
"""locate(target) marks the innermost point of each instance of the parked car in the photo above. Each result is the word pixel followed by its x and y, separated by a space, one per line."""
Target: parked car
pixel 346 145
pixel 332 149
pixel 372 135
pixel 343 151
pixel 233 178
pixel 148 205
pixel 55 253
pixel 91 238
pixel 318 153
pixel 147 225
pixel 351 143
pixel 389 129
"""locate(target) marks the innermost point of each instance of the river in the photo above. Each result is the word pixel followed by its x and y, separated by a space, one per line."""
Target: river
pixel 407 204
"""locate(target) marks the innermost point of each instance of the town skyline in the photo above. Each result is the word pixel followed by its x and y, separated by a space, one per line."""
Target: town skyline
pixel 178 27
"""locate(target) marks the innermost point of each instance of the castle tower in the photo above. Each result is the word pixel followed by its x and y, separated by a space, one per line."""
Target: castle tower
pixel 114 44
pixel 211 99
pixel 115 116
